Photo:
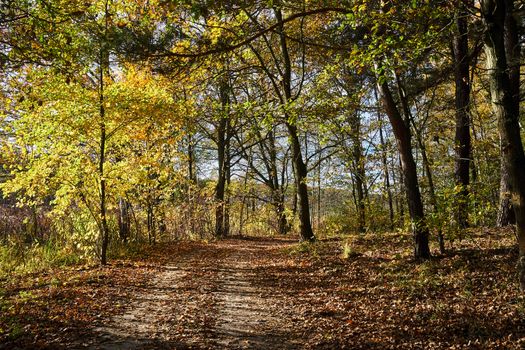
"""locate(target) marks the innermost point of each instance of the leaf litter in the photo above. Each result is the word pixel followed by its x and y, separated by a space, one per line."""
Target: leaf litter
pixel 264 293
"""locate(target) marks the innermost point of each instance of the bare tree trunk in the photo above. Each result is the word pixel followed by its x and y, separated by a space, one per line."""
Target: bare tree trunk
pixel 223 159
pixel 512 50
pixel 426 163
pixel 103 69
pixel 319 189
pixel 136 221
pixel 385 169
pixel 150 222
pixel 505 212
pixel 124 221
pixel 221 182
pixel 495 15
pixel 399 199
pixel 227 201
pixel 359 170
pixel 276 187
pixel 462 101
pixel 431 188
pixel 300 170
pixel 415 205
pixel 192 176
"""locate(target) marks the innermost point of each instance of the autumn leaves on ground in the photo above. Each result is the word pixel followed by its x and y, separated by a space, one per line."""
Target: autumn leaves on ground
pixel 269 293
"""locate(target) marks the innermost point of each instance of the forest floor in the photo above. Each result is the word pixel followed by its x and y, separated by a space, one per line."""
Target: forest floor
pixel 361 292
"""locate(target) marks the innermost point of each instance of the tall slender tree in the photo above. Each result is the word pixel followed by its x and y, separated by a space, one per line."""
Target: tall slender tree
pixel 462 104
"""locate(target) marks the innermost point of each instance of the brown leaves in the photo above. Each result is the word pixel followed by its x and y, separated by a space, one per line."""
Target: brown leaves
pixel 308 297
pixel 52 308
pixel 378 299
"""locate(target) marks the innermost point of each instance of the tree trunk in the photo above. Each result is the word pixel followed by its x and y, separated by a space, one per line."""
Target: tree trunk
pixel 319 188
pixel 150 222
pixel 431 188
pixel 278 203
pixel 192 176
pixel 227 200
pixel 386 171
pixel 124 222
pixel 104 230
pixel 276 187
pixel 359 170
pixel 300 170
pixel 399 198
pixel 424 158
pixel 512 51
pixel 495 15
pixel 462 103
pixel 505 212
pixel 223 159
pixel 415 205
pixel 103 69
pixel 221 183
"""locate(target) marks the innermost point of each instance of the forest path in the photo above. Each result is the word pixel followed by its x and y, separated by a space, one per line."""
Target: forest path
pixel 275 294
pixel 206 298
pixel 248 314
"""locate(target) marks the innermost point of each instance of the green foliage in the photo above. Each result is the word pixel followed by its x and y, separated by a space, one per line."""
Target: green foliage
pixel 309 249
pixel 132 250
pixel 397 35
pixel 336 224
pixel 349 250
pixel 55 151
pixel 16 259
pixel 480 212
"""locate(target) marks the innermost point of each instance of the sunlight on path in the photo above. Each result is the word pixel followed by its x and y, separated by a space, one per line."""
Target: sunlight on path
pixel 246 319
pixel 140 326
pixel 207 300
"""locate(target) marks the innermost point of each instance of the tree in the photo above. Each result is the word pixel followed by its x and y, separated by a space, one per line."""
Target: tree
pixel 512 51
pixel 58 133
pixel 402 132
pixel 280 72
pixel 462 102
pixel 495 17
pixel 223 140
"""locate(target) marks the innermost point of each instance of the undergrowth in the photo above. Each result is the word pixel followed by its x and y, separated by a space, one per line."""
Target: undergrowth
pixel 303 248
pixel 16 259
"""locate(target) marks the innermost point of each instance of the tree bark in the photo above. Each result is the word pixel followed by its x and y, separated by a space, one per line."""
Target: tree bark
pixel 426 162
pixel 192 175
pixel 505 212
pixel 301 172
pixel 220 187
pixel 386 171
pixel 300 169
pixel 512 51
pixel 124 221
pixel 103 69
pixel 401 131
pixel 223 140
pixel 276 187
pixel 359 170
pixel 432 189
pixel 462 103
pixel 150 221
pixel 495 14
